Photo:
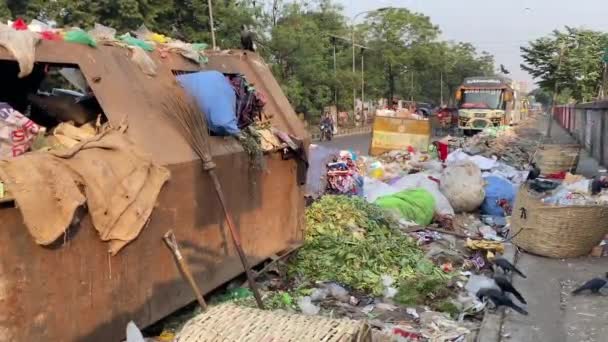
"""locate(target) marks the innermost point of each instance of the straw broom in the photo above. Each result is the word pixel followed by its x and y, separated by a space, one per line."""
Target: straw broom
pixel 185 115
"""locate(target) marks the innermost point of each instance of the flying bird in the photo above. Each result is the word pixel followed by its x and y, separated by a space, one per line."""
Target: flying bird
pixel 499 299
pixel 506 267
pixel 506 287
pixel 247 39
pixel 594 285
pixel 504 70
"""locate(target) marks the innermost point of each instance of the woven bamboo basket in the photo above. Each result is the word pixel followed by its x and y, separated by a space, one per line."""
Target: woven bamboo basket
pixel 557 158
pixel 556 231
pixel 231 323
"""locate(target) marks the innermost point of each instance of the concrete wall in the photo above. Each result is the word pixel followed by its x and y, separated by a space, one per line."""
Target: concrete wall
pixel 587 123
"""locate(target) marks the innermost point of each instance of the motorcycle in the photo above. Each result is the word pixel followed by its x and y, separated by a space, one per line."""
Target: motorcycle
pixel 326 132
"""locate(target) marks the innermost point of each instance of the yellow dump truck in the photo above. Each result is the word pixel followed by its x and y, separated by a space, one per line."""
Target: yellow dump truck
pixel 487 102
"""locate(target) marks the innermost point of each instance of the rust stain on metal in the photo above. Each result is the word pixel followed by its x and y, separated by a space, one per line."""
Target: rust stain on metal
pixel 74 292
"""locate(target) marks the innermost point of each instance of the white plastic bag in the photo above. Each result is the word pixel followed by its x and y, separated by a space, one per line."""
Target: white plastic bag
pixel 373 189
pixel 103 33
pixel 463 186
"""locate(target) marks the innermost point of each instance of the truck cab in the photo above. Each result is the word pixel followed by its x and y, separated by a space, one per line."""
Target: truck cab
pixel 484 102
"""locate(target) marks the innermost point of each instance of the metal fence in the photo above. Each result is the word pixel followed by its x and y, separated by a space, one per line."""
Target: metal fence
pixel 587 124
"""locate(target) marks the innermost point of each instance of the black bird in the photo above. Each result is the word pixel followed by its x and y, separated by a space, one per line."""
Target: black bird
pixel 594 285
pixel 504 70
pixel 506 286
pixel 534 173
pixel 596 186
pixel 506 266
pixel 499 299
pixel 247 39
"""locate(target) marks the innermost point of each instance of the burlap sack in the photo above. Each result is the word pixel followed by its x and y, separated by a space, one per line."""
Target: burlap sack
pixel 119 184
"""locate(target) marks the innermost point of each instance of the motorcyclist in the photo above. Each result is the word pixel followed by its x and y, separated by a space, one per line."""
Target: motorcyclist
pixel 328 124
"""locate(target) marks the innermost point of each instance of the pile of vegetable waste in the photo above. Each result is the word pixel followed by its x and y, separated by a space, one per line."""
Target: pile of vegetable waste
pixel 353 243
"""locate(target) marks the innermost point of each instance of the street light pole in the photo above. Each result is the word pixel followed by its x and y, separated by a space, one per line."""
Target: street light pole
pixel 352 25
pixel 211 24
pixel 362 82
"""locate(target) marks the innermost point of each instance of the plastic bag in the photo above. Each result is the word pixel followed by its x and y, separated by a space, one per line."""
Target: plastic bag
pixel 497 188
pixel 307 307
pixel 582 187
pixel 101 32
pixel 215 97
pixel 416 205
pixel 145 63
pixel 420 180
pixel 144 34
pixel 374 189
pixel 463 186
pixel 79 36
pixel 22 45
pixel 129 40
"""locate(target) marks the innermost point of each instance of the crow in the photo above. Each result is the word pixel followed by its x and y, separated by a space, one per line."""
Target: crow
pixel 506 286
pixel 594 285
pixel 499 299
pixel 504 70
pixel 506 266
pixel 534 173
pixel 596 186
pixel 247 39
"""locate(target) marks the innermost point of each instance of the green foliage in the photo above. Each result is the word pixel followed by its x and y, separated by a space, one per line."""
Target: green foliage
pixel 421 290
pixel 580 71
pixel 351 241
pixel 295 38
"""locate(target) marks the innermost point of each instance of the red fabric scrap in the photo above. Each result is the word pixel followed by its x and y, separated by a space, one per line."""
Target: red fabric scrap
pixel 557 175
pixel 50 35
pixel 19 25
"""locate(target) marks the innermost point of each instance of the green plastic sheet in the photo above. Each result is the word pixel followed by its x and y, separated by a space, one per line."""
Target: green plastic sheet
pixel 417 205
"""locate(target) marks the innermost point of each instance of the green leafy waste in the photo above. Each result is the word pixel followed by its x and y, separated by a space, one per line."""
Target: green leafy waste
pixel 351 241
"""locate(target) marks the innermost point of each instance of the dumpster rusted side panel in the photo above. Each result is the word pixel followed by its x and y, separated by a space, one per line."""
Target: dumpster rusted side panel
pixel 77 292
pixel 74 291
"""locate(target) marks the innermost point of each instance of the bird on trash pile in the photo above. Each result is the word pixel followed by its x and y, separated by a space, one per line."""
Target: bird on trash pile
pixel 594 285
pixel 534 173
pixel 506 266
pixel 499 299
pixel 506 287
pixel 247 39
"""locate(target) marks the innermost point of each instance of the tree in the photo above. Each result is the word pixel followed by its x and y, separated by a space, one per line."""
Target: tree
pixel 572 59
pixel 395 35
pixel 5 12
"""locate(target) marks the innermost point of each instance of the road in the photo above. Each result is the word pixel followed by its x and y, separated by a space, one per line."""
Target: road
pixel 322 152
pixel 358 143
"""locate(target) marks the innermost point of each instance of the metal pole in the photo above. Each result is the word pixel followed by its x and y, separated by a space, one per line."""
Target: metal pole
pixel 354 88
pixel 412 91
pixel 362 83
pixel 211 24
pixel 441 86
pixel 335 75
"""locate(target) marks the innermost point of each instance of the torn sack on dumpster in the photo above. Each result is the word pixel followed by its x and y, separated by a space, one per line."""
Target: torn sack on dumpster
pixel 118 183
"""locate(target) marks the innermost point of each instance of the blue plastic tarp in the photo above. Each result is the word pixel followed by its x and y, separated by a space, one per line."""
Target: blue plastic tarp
pixel 215 97
pixel 497 188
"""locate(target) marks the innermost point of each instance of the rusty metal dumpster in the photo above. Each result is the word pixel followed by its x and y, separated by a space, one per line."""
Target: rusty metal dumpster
pixel 75 291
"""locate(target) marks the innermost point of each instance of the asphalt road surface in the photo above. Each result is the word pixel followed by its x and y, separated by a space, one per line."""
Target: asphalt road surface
pixel 358 143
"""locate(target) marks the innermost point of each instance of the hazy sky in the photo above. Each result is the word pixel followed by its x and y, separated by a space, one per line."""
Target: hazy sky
pixel 499 26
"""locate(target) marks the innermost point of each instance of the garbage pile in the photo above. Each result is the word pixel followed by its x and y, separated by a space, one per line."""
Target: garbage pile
pixel 572 190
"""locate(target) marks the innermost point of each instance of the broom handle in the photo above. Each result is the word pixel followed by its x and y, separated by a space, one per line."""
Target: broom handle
pixel 236 238
pixel 171 242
